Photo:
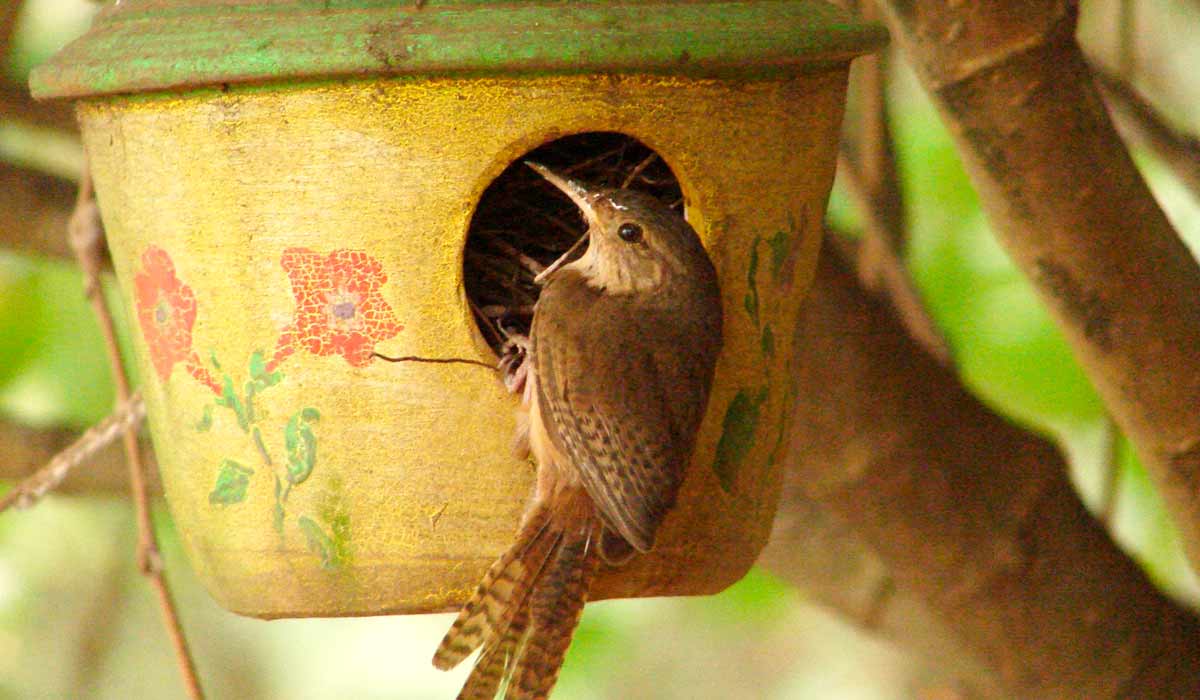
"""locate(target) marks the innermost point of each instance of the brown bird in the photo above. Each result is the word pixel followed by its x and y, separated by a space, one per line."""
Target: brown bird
pixel 620 361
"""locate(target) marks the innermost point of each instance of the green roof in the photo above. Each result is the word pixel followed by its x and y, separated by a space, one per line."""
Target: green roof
pixel 149 45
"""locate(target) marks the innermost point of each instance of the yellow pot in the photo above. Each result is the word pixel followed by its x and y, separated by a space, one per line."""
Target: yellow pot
pixel 268 237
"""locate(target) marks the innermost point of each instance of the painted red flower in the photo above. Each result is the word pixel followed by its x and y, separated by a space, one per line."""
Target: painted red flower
pixel 338 305
pixel 166 309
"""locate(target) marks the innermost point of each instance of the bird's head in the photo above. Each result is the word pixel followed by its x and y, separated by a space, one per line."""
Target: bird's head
pixel 635 242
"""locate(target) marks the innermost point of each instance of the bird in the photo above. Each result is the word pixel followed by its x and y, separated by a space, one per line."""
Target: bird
pixel 615 381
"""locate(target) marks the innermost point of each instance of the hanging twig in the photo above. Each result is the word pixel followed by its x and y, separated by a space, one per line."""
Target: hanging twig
pixel 86 236
pixel 128 416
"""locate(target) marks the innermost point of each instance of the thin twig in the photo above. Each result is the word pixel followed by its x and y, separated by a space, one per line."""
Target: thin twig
pixel 562 260
pixel 127 416
pixel 637 170
pixel 533 266
pixel 86 236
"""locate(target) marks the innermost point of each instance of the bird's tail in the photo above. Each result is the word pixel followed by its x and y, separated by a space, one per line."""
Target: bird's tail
pixel 527 607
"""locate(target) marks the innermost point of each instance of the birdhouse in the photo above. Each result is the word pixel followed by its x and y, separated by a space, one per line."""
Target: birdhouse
pixel 289 188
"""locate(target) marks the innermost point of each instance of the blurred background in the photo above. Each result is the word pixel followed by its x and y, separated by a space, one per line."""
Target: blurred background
pixel 77 620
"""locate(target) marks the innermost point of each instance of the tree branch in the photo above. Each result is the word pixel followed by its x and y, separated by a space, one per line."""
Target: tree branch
pixel 127 417
pixel 25 450
pixel 16 104
pixel 969 516
pixel 1069 205
pixel 821 553
pixel 36 207
pixel 867 169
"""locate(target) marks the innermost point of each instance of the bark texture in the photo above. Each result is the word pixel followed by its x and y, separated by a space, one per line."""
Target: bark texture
pixel 1072 210
pixel 970 515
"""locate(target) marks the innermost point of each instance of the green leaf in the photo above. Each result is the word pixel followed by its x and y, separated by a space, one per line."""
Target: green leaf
pixel 232 480
pixel 737 435
pixel 212 357
pixel 320 543
pixel 768 341
pixel 301 445
pixel 206 419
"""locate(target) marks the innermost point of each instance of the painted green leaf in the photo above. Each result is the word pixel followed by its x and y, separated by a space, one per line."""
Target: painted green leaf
pixel 768 341
pixel 751 299
pixel 249 405
pixel 205 421
pixel 229 399
pixel 258 365
pixel 301 445
pixel 320 543
pixel 259 376
pixel 279 496
pixel 334 514
pixel 232 480
pixel 737 435
pixel 212 357
pixel 779 244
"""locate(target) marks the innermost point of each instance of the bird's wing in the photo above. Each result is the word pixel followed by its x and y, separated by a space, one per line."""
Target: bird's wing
pixel 624 414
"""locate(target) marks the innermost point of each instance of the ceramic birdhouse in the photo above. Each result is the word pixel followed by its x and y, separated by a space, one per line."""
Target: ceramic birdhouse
pixel 287 189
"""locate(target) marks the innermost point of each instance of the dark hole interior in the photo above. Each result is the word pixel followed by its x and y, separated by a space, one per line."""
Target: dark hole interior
pixel 523 223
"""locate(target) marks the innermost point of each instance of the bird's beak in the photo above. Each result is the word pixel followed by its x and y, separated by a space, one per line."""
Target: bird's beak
pixel 583 198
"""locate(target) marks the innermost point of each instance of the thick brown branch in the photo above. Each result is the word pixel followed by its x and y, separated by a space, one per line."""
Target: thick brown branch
pixel 821 553
pixel 1069 205
pixel 970 515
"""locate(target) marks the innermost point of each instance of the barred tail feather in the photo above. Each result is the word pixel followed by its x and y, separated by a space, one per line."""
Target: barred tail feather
pixel 496 662
pixel 529 603
pixel 503 591
pixel 555 608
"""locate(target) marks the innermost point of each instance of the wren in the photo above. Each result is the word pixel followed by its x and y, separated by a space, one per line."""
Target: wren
pixel 615 382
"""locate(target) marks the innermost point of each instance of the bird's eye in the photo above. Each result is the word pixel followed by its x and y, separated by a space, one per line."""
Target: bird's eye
pixel 630 232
